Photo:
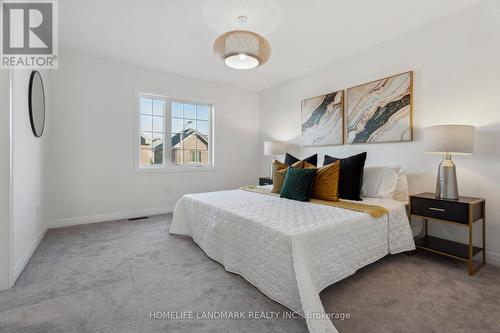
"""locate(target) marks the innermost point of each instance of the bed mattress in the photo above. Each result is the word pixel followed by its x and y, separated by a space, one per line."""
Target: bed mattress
pixel 290 250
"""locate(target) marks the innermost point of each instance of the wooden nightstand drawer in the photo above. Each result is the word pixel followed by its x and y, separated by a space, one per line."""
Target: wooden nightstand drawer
pixel 265 181
pixel 440 209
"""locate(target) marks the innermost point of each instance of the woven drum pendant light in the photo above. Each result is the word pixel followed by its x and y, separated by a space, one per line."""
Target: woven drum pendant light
pixel 241 49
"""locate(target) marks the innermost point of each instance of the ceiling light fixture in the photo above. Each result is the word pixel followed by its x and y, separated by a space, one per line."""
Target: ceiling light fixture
pixel 241 49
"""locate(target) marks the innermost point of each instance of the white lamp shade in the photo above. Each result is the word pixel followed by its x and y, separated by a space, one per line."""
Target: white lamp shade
pixel 449 139
pixel 274 148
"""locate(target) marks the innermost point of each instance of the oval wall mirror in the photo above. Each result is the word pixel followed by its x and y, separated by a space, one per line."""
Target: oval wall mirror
pixel 36 100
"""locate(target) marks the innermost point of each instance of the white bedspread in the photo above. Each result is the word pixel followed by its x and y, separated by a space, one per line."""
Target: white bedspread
pixel 290 250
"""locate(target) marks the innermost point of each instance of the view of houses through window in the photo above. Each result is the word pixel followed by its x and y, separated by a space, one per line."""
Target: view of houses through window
pixel 152 118
pixel 187 124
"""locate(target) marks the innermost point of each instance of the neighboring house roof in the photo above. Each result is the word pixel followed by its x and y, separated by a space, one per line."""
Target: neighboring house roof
pixel 157 144
pixel 177 138
pixel 187 132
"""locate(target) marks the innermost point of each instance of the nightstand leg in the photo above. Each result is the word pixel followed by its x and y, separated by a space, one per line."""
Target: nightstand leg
pixel 484 231
pixel 470 262
pixel 425 227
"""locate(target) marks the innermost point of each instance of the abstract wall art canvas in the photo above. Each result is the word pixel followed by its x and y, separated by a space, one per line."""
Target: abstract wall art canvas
pixel 323 120
pixel 381 111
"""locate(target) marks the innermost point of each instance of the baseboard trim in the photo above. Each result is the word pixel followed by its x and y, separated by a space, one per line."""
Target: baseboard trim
pixel 493 258
pixel 59 223
pixel 19 267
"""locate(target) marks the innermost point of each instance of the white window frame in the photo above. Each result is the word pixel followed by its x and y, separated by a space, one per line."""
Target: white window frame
pixel 166 167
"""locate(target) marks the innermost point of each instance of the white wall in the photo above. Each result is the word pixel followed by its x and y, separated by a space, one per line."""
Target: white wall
pixel 28 179
pixel 5 200
pixel 457 79
pixel 91 159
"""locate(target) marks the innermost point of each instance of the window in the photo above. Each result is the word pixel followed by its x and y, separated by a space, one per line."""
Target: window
pixel 173 133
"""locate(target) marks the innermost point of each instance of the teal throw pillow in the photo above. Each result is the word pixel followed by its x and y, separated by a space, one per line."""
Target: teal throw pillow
pixel 298 184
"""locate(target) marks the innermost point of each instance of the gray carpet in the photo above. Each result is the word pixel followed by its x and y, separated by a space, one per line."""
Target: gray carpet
pixel 108 277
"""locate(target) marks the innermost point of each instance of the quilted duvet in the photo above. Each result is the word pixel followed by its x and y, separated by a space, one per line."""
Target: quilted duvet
pixel 290 250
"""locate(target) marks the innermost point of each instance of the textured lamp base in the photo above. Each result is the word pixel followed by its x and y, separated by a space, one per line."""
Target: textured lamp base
pixel 446 185
pixel 271 168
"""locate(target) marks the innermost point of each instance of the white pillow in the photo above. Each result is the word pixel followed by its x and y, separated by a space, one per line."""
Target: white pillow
pixel 402 193
pixel 380 182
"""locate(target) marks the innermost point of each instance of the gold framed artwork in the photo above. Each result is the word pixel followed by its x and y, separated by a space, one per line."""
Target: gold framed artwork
pixel 323 120
pixel 381 111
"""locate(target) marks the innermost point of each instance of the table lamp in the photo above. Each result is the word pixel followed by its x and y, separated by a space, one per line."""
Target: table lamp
pixel 448 140
pixel 273 148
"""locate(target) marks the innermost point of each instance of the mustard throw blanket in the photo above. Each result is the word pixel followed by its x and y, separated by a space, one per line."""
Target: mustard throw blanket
pixel 372 210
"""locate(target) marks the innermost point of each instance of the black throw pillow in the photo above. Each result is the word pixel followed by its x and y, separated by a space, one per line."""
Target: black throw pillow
pixel 290 159
pixel 351 175
pixel 298 184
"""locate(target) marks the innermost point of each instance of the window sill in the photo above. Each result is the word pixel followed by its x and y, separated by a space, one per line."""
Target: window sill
pixel 174 169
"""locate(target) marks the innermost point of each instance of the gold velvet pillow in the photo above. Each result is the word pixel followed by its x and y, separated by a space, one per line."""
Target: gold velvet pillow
pixel 279 173
pixel 307 165
pixel 326 185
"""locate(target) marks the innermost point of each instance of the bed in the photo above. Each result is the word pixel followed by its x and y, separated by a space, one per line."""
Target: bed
pixel 291 250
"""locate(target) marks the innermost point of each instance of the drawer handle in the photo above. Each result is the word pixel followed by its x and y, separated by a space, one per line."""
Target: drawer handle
pixel 437 209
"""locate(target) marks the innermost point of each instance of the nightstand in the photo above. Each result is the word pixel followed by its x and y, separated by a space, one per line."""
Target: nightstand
pixel 462 212
pixel 265 181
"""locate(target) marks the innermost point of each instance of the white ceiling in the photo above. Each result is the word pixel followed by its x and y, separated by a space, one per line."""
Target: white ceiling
pixel 177 35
